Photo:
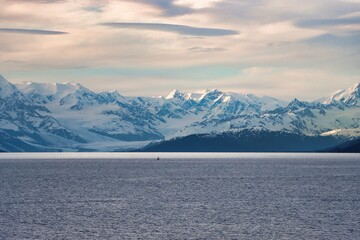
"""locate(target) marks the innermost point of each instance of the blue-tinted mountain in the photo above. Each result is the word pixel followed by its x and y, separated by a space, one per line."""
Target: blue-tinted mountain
pixel 248 140
pixel 348 147
pixel 71 117
pixel 27 126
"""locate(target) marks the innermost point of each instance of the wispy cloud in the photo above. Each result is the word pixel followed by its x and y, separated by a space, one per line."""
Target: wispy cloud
pixel 349 41
pixel 324 22
pixel 31 31
pixel 168 7
pixel 37 1
pixel 320 34
pixel 93 8
pixel 205 49
pixel 180 29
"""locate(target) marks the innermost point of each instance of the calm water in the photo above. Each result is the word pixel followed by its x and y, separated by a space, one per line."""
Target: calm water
pixel 182 196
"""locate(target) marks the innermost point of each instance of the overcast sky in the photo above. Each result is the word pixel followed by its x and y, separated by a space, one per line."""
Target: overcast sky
pixel 287 49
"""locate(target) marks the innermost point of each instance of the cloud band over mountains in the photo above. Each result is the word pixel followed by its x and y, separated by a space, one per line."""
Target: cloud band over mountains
pixel 180 29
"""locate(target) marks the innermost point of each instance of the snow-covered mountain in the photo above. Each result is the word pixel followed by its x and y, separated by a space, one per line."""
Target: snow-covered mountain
pixel 94 115
pixel 350 96
pixel 71 117
pixel 236 112
pixel 26 125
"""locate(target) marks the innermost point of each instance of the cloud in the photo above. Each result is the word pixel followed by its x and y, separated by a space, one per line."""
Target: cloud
pixel 180 29
pixel 327 22
pixel 37 1
pixel 93 8
pixel 31 31
pixel 168 7
pixel 204 50
pixel 198 4
pixel 350 41
pixel 270 38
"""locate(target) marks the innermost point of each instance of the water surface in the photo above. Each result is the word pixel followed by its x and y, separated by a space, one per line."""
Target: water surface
pixel 182 196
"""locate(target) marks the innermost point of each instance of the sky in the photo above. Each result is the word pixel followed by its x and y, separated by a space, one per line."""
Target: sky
pixel 285 49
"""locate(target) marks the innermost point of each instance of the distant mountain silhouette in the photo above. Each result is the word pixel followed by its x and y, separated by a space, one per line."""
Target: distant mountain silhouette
pixel 348 147
pixel 245 141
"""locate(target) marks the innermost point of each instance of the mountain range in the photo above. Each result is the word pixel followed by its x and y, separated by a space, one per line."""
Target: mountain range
pixel 71 117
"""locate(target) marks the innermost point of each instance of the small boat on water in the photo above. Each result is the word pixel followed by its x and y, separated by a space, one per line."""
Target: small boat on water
pixel 158 158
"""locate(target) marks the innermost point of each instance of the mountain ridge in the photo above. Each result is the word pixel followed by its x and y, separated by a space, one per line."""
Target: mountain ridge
pixel 108 121
pixel 246 140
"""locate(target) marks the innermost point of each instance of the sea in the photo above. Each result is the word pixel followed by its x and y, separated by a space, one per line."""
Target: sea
pixel 180 196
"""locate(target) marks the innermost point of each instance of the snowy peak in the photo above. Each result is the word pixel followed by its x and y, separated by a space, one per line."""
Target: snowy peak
pixel 187 95
pixel 296 104
pixel 215 95
pixel 350 96
pixel 353 94
pixel 355 87
pixel 183 96
pixel 3 80
pixel 212 95
pixel 64 89
pixel 198 94
pixel 176 94
pixel 336 96
pixel 70 95
pixel 112 94
pixel 6 89
pixel 57 90
pixel 110 97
